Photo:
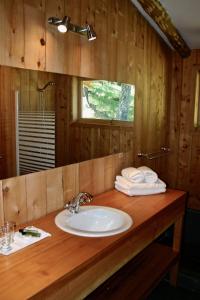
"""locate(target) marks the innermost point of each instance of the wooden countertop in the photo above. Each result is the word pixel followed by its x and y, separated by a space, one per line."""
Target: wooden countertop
pixel 63 256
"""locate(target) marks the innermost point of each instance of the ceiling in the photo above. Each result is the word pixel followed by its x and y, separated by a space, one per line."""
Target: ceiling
pixel 185 15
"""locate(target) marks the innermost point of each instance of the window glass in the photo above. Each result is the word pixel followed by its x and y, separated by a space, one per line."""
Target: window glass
pixel 107 100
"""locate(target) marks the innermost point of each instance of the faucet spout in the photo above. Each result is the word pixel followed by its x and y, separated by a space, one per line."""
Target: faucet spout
pixel 81 198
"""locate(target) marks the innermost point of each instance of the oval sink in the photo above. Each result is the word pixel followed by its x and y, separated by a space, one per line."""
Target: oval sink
pixel 94 221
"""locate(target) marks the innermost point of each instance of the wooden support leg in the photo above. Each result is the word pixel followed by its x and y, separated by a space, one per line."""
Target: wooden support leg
pixel 178 227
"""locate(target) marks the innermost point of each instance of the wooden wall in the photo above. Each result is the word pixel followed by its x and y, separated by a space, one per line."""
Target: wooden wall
pixel 127 49
pixel 31 196
pixel 184 139
pixel 91 141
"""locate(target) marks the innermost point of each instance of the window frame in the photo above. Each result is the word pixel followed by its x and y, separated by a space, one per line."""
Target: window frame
pixel 101 122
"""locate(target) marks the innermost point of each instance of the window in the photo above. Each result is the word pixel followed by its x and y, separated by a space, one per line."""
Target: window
pixel 105 100
pixel 197 101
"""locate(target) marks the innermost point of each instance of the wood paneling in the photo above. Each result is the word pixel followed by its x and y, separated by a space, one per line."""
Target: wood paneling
pixel 12 50
pixel 92 141
pixel 14 199
pixel 54 189
pixel 184 162
pixel 127 49
pixel 25 198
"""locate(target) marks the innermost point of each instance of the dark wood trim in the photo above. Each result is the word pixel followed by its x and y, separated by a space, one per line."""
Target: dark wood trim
pixel 160 16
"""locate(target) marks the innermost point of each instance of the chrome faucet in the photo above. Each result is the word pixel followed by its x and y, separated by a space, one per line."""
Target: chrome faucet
pixel 80 199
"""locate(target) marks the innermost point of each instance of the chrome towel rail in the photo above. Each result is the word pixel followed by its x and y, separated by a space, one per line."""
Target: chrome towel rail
pixel 153 155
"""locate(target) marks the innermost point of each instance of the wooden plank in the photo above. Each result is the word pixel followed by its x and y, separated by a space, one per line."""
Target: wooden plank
pixel 54 189
pixel 86 180
pixel 70 182
pixel 62 106
pixel 55 54
pixel 7 122
pixel 35 21
pixel 109 172
pixel 12 29
pixel 177 237
pixel 185 136
pixel 36 192
pixel 98 176
pixel 15 199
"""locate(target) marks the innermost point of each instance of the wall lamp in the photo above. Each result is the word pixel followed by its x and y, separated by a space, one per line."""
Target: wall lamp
pixel 64 25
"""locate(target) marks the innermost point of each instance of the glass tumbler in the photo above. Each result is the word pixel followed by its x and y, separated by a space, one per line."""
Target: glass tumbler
pixel 12 226
pixel 6 234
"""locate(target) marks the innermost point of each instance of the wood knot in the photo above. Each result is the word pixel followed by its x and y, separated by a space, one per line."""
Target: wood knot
pixel 42 42
pixel 6 189
pixel 39 64
pixel 22 59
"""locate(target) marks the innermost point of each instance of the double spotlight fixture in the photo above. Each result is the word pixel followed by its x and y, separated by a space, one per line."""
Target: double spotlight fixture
pixel 65 25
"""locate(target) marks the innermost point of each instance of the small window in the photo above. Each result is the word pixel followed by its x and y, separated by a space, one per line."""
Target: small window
pixel 105 100
pixel 197 101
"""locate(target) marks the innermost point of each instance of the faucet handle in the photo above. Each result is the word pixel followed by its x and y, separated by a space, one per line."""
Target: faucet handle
pixel 86 197
pixel 81 198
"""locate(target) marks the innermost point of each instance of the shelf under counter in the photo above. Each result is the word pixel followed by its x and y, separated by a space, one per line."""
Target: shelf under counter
pixel 70 266
pixel 139 276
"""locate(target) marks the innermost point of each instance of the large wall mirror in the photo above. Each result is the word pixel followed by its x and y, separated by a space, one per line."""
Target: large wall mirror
pixel 42 127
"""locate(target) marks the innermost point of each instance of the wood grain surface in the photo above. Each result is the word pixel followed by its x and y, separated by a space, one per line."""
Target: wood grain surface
pixel 64 264
pixel 127 50
pixel 28 197
pixel 184 162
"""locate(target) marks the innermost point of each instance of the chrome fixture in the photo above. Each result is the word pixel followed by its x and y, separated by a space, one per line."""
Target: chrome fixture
pixel 153 155
pixel 45 86
pixel 64 25
pixel 80 199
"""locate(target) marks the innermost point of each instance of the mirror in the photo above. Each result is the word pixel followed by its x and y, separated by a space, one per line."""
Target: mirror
pixel 40 126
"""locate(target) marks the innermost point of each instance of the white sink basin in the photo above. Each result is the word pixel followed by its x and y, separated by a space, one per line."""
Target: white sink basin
pixel 94 221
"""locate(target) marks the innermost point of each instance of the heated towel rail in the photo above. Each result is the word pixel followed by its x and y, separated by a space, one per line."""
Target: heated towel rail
pixel 36 141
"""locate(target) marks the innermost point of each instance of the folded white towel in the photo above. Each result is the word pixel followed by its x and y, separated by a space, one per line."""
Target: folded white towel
pixel 133 174
pixel 139 192
pixel 126 184
pixel 149 175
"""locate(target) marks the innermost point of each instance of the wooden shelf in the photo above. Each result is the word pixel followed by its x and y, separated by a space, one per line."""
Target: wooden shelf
pixel 137 278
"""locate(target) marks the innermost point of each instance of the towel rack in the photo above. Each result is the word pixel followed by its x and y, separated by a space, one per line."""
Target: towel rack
pixel 153 155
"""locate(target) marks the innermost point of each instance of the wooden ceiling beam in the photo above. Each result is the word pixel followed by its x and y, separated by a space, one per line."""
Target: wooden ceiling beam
pixel 160 16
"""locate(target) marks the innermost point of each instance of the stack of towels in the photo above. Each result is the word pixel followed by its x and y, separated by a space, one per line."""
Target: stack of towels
pixel 139 181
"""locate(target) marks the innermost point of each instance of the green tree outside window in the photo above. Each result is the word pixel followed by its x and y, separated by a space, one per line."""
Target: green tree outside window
pixel 107 100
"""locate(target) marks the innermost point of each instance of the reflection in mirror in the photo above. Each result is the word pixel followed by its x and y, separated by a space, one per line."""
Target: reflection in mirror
pixel 35 133
pixel 107 100
pixel 40 126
